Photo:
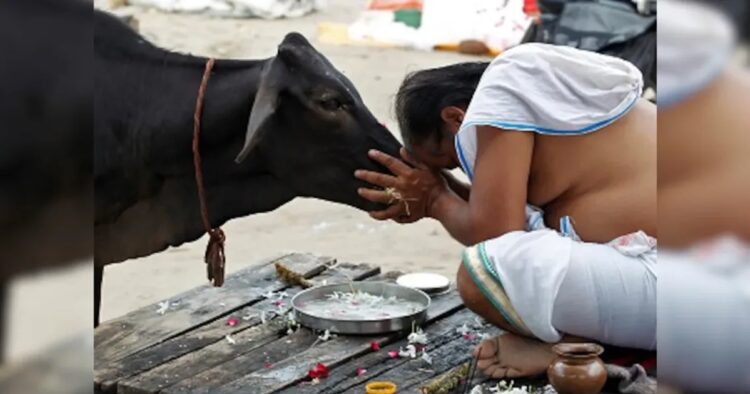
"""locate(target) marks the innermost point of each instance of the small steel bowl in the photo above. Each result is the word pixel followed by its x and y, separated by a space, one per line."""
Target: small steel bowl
pixel 369 326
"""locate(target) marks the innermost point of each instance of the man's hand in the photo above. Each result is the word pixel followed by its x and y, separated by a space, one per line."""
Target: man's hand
pixel 410 192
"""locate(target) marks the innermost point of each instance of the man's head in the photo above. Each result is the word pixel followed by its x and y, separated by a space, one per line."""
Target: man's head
pixel 430 106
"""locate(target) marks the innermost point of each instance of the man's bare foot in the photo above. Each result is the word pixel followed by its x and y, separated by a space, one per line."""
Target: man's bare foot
pixel 512 356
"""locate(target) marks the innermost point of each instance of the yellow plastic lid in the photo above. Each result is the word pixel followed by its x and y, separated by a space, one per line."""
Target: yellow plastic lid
pixel 380 388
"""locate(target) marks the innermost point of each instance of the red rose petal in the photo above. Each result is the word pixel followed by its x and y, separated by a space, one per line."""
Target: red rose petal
pixel 267 365
pixel 393 354
pixel 374 346
pixel 318 371
pixel 361 371
pixel 232 321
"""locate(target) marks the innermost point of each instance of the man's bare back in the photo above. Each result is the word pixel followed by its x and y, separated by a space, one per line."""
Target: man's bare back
pixel 703 163
pixel 605 181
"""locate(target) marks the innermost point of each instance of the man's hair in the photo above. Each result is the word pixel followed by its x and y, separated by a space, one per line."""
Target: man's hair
pixel 423 94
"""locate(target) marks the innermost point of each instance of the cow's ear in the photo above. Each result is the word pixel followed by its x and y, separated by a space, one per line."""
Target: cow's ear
pixel 264 106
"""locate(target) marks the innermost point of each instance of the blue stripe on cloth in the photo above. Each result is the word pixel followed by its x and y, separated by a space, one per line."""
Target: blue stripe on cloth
pixel 544 130
pixel 462 158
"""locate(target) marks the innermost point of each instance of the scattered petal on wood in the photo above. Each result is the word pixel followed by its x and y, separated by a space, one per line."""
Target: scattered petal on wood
pixel 326 335
pixel 464 329
pixel 418 336
pixel 270 294
pixel 469 336
pixel 230 339
pixel 374 346
pixel 263 317
pixel 483 335
pixel 248 317
pixel 163 306
pixel 410 352
pixel 427 358
pixel 318 371
pixel 267 365
pixel 361 371
pixel 232 321
pixel 393 354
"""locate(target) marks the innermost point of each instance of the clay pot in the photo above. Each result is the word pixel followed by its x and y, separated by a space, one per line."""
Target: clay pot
pixel 577 369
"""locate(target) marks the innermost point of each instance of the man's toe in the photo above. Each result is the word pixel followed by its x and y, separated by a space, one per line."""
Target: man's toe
pixel 486 349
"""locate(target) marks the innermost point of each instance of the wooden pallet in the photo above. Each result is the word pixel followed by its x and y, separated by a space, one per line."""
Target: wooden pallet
pixel 186 350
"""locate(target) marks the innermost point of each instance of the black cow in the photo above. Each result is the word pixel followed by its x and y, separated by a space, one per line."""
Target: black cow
pixel 272 130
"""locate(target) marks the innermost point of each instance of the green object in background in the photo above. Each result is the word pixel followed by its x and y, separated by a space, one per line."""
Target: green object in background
pixel 411 18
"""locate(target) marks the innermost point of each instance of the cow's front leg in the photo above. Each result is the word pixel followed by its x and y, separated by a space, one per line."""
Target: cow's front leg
pixel 98 277
pixel 4 285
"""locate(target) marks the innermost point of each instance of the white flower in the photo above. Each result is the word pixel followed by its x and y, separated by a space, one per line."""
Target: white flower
pixel 427 358
pixel 410 352
pixel 464 329
pixel 230 339
pixel 326 335
pixel 163 306
pixel 419 337
pixel 478 389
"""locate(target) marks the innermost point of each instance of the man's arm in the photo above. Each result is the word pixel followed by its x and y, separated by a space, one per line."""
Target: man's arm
pixel 461 189
pixel 498 198
pixel 495 206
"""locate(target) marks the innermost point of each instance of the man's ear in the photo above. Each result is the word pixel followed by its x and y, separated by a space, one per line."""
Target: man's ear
pixel 453 117
pixel 264 107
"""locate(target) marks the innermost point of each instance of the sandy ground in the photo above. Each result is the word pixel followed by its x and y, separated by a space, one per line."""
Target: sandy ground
pixel 303 225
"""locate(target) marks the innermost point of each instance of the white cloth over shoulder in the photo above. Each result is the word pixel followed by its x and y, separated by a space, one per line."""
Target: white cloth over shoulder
pixel 548 89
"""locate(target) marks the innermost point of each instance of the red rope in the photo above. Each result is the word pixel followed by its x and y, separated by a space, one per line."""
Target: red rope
pixel 214 258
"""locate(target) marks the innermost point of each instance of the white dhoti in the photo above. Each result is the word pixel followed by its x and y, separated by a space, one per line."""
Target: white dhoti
pixel 545 284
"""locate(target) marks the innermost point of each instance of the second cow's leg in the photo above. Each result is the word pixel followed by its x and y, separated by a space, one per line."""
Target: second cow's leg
pixel 4 308
pixel 98 277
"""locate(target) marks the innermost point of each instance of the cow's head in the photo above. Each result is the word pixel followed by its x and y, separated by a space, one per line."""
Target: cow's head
pixel 310 126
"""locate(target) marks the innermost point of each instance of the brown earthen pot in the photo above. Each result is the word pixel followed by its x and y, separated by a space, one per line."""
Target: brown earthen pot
pixel 577 369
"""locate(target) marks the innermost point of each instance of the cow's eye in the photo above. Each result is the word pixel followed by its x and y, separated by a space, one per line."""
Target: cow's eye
pixel 331 104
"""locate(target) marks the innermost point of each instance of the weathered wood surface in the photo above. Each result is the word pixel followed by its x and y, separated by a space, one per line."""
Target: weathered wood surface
pixel 143 328
pixel 196 363
pixel 186 350
pixel 332 353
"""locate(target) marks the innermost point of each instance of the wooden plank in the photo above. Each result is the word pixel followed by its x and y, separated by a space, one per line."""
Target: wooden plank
pixel 417 372
pixel 332 353
pixel 190 354
pixel 171 349
pixel 145 327
pixel 343 377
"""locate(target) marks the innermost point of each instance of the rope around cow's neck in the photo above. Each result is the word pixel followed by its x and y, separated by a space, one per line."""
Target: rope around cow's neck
pixel 214 257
